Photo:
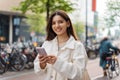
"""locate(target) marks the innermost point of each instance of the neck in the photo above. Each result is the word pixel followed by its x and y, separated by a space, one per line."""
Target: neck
pixel 62 39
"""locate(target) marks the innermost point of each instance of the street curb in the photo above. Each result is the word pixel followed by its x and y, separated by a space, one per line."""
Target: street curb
pixel 96 77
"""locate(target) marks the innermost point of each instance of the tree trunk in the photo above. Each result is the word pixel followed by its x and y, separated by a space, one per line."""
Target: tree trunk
pixel 47 7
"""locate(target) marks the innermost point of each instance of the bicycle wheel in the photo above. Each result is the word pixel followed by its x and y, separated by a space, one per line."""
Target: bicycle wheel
pixel 18 63
pixel 109 72
pixel 2 68
pixel 117 68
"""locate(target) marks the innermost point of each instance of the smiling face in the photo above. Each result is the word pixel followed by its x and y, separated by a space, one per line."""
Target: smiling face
pixel 60 25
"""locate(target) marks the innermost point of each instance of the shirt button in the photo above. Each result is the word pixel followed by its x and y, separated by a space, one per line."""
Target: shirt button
pixel 51 76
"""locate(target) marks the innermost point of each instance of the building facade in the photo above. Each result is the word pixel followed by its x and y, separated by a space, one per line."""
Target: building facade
pixel 11 22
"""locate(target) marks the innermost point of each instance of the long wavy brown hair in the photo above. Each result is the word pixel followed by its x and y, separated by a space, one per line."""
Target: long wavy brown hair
pixel 51 34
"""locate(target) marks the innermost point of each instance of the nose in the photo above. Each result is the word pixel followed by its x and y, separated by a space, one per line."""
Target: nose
pixel 57 25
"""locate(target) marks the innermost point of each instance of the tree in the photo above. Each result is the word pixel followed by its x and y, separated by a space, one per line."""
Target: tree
pixel 42 6
pixel 38 8
pixel 113 13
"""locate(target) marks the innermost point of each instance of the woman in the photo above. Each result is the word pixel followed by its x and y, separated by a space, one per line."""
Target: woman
pixel 66 56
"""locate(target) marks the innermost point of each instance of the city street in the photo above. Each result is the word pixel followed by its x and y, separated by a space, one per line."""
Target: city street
pixel 23 28
pixel 95 71
pixel 93 68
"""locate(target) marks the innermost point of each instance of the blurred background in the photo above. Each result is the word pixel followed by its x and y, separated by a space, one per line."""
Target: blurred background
pixel 92 19
pixel 25 21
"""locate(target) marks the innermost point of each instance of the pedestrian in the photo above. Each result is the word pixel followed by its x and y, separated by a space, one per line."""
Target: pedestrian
pixel 66 56
pixel 20 42
pixel 105 47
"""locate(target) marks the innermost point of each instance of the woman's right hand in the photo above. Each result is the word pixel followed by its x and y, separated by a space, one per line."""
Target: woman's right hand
pixel 43 61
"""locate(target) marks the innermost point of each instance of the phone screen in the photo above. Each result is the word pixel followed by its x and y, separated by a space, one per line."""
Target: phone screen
pixel 41 51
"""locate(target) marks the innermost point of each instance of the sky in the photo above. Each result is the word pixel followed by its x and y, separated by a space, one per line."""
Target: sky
pixel 101 6
pixel 80 13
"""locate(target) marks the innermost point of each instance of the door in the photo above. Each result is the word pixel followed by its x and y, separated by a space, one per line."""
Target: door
pixel 4 28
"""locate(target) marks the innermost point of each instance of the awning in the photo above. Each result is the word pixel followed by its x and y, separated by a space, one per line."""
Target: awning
pixel 11 13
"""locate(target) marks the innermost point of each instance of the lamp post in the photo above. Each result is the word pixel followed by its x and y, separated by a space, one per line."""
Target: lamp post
pixel 86 26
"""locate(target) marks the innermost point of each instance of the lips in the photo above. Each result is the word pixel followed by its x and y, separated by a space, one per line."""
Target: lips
pixel 58 29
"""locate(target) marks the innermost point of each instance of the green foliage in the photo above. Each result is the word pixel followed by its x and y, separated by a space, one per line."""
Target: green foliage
pixel 37 23
pixel 113 13
pixel 39 7
pixel 79 28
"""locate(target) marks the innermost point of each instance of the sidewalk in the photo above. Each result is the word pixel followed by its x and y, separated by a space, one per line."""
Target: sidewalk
pixel 99 74
pixel 22 75
pixel 92 66
pixel 94 69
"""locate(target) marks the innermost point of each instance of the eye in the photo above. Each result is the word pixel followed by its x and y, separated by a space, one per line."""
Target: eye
pixel 60 21
pixel 53 23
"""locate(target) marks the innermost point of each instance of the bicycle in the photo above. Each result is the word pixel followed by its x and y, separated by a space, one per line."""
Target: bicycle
pixel 112 65
pixel 14 61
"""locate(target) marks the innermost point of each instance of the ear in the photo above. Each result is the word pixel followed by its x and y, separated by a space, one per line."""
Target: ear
pixel 68 24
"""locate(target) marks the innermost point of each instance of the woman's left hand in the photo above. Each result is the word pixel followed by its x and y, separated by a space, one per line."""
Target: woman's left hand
pixel 51 59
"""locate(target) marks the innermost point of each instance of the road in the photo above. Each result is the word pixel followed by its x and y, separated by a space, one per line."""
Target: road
pixel 95 71
pixel 93 68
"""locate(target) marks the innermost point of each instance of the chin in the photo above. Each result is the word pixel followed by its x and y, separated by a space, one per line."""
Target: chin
pixel 59 34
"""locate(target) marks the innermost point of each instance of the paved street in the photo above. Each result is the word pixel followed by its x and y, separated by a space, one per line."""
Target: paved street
pixel 94 71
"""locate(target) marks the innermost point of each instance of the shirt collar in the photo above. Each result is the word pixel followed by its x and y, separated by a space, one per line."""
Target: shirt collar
pixel 69 44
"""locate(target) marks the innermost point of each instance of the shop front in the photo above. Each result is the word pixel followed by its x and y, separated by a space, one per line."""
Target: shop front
pixel 9 27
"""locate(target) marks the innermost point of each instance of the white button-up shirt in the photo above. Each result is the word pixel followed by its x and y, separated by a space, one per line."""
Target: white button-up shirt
pixel 70 64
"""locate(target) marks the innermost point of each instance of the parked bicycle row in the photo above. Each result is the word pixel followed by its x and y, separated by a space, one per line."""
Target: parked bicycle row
pixel 17 56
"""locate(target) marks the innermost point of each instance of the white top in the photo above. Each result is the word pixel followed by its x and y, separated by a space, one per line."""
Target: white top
pixel 63 68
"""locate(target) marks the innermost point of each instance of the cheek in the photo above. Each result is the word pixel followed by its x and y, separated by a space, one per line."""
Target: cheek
pixel 65 29
pixel 53 28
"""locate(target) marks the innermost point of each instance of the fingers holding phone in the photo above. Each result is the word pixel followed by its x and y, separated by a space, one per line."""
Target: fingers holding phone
pixel 51 59
pixel 41 51
pixel 42 56
pixel 43 61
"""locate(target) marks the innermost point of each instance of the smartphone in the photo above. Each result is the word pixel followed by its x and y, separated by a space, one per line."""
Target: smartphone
pixel 41 51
